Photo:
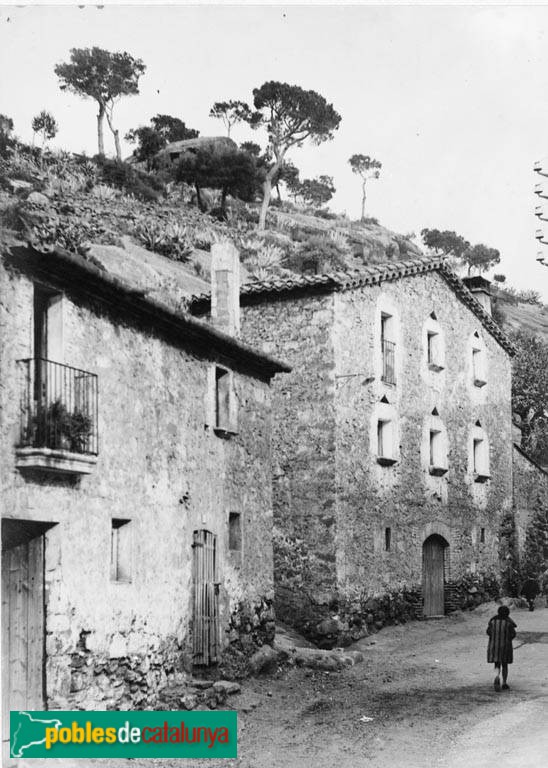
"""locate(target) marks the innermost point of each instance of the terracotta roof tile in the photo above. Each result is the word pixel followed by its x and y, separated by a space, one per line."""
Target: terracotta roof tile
pixel 370 275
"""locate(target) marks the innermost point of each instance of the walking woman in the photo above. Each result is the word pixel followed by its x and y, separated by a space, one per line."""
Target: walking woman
pixel 501 630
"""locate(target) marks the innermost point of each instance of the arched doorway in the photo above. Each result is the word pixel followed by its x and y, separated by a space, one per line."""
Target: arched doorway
pixel 433 561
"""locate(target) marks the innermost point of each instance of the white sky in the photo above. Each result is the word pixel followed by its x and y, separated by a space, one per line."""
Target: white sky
pixel 452 100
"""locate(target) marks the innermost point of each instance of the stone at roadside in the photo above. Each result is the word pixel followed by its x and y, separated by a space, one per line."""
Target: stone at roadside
pixel 228 686
pixel 201 684
pixel 37 198
pixel 264 660
pixel 190 701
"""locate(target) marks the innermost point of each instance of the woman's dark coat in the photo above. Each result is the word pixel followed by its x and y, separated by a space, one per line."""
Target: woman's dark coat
pixel 501 633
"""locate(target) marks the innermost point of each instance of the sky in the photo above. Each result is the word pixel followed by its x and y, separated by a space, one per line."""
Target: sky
pixel 452 100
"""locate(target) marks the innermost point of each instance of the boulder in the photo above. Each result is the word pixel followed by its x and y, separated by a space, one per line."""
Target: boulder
pixel 228 686
pixel 18 185
pixel 263 661
pixel 37 198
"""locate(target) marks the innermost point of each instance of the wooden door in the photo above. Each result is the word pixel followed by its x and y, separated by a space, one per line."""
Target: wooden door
pixel 205 629
pixel 22 630
pixel 433 553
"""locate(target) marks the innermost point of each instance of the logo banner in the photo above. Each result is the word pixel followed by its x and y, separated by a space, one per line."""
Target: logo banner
pixel 123 734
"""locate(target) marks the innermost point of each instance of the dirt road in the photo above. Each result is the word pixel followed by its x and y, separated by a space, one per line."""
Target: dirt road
pixel 423 698
pixel 429 692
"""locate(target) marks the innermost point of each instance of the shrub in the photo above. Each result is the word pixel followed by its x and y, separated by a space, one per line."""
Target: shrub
pixel 317 255
pixel 325 213
pixel 122 175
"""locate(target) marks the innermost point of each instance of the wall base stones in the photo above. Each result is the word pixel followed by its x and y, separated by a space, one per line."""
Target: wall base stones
pixel 251 626
pixel 121 682
pixel 345 620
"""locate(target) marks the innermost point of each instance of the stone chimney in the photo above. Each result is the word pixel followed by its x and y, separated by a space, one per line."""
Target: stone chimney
pixel 480 288
pixel 225 287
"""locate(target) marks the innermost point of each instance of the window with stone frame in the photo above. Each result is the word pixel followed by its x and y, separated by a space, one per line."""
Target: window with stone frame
pixel 226 417
pixel 235 535
pixel 480 455
pixel 479 361
pixel 385 441
pixel 435 352
pixel 388 349
pixel 120 550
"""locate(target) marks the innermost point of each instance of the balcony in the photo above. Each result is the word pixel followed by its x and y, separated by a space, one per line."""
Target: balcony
pixel 388 362
pixel 58 417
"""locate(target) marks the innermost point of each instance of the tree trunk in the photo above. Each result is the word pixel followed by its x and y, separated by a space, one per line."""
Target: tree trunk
pixel 117 145
pixel 115 134
pixel 267 190
pixel 100 137
pixel 278 192
pixel 199 198
pixel 223 202
pixel 363 200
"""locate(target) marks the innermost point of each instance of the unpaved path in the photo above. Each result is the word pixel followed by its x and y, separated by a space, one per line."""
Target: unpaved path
pixel 428 691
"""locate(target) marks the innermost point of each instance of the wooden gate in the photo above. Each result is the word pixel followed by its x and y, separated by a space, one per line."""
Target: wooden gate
pixel 206 598
pixel 23 612
pixel 433 556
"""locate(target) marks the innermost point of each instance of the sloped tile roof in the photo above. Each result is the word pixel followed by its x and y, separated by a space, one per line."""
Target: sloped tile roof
pixel 369 275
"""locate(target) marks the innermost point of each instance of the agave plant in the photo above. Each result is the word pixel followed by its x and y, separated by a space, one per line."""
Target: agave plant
pixel 266 262
pixel 104 192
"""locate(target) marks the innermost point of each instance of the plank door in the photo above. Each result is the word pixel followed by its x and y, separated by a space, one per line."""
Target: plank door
pixel 206 599
pixel 22 630
pixel 433 553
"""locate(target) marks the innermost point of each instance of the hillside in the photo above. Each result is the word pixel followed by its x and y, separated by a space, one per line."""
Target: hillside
pixel 74 202
pixel 532 318
pixel 152 234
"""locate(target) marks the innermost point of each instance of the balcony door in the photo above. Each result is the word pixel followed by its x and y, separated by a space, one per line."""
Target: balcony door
pixel 48 342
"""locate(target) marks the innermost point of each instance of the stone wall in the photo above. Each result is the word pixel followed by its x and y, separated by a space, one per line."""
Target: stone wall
pixel 304 482
pixel 332 509
pixel 530 514
pixel 162 466
pixel 405 497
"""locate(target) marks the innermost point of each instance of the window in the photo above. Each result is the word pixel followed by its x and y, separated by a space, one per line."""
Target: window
pixel 385 442
pixel 120 550
pixel 225 406
pixel 387 539
pixel 482 536
pixel 479 367
pixel 388 348
pixel 235 532
pixel 434 447
pixel 480 457
pixel 434 353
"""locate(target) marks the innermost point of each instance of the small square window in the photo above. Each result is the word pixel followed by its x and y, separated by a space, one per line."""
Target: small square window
pixel 387 539
pixel 120 550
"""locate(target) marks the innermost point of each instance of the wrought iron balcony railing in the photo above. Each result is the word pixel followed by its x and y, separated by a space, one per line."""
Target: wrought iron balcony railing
pixel 58 407
pixel 388 362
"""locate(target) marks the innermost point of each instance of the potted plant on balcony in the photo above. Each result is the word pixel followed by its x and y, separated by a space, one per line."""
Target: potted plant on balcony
pixel 54 426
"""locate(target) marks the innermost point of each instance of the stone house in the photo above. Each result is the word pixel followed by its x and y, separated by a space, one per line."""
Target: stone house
pixel 392 441
pixel 135 481
pixel 530 482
